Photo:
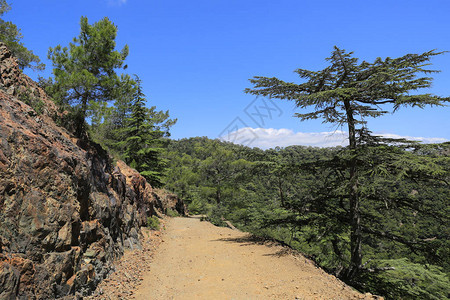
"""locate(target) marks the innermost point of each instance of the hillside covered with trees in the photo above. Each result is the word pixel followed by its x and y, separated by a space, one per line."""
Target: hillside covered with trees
pixel 297 195
pixel 374 213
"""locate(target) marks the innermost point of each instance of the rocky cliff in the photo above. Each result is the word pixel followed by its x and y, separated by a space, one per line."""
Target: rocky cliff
pixel 66 211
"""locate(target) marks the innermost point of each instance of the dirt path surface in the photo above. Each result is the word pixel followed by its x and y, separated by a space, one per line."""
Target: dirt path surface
pixel 198 260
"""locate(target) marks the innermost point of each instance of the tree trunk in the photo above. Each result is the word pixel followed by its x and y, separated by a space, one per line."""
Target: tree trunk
pixel 218 196
pixel 80 119
pixel 355 213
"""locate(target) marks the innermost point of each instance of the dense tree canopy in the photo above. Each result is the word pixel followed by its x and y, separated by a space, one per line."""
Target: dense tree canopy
pixel 297 195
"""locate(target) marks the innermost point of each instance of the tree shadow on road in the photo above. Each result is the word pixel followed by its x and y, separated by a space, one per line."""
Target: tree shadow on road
pixel 250 240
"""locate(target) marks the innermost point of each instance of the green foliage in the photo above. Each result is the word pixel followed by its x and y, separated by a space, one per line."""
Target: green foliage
pixel 347 93
pixel 406 280
pixel 198 207
pixel 172 213
pixel 108 122
pixel 11 36
pixel 131 131
pixel 85 72
pixel 359 88
pixel 86 81
pixel 217 216
pixel 144 133
pixel 153 223
pixel 296 195
pixel 27 97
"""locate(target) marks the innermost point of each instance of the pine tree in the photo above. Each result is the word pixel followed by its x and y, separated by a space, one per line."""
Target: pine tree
pixel 85 71
pixel 11 36
pixel 108 123
pixel 347 93
pixel 144 141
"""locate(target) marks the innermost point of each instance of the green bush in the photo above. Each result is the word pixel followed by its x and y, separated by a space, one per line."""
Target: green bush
pixel 198 207
pixel 408 280
pixel 216 216
pixel 153 223
pixel 172 213
pixel 26 96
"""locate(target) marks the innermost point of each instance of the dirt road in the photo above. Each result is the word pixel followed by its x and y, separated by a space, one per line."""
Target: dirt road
pixel 198 260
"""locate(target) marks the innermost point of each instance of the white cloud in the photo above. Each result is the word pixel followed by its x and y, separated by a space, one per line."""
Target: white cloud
pixel 269 137
pixel 425 140
pixel 117 2
pixel 266 138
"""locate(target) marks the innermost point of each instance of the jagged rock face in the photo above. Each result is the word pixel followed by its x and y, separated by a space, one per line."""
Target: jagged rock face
pixel 156 201
pixel 66 212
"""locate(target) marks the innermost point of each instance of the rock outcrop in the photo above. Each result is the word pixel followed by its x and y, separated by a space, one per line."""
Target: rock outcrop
pixel 66 211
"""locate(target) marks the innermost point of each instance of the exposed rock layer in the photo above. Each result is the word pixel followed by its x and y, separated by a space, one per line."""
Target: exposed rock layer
pixel 66 212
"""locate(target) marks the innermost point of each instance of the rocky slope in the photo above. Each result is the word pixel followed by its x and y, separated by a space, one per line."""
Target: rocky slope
pixel 66 211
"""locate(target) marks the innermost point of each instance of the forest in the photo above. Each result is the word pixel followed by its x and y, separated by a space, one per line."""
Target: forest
pixel 374 213
pixel 297 195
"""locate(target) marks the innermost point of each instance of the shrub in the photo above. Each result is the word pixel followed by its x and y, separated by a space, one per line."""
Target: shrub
pixel 216 216
pixel 27 97
pixel 408 280
pixel 153 223
pixel 172 213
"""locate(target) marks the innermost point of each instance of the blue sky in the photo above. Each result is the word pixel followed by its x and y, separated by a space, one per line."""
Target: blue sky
pixel 195 57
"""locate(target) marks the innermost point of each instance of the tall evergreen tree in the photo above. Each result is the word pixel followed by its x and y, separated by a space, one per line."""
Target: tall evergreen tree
pixel 347 93
pixel 11 36
pixel 108 123
pixel 144 135
pixel 85 71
